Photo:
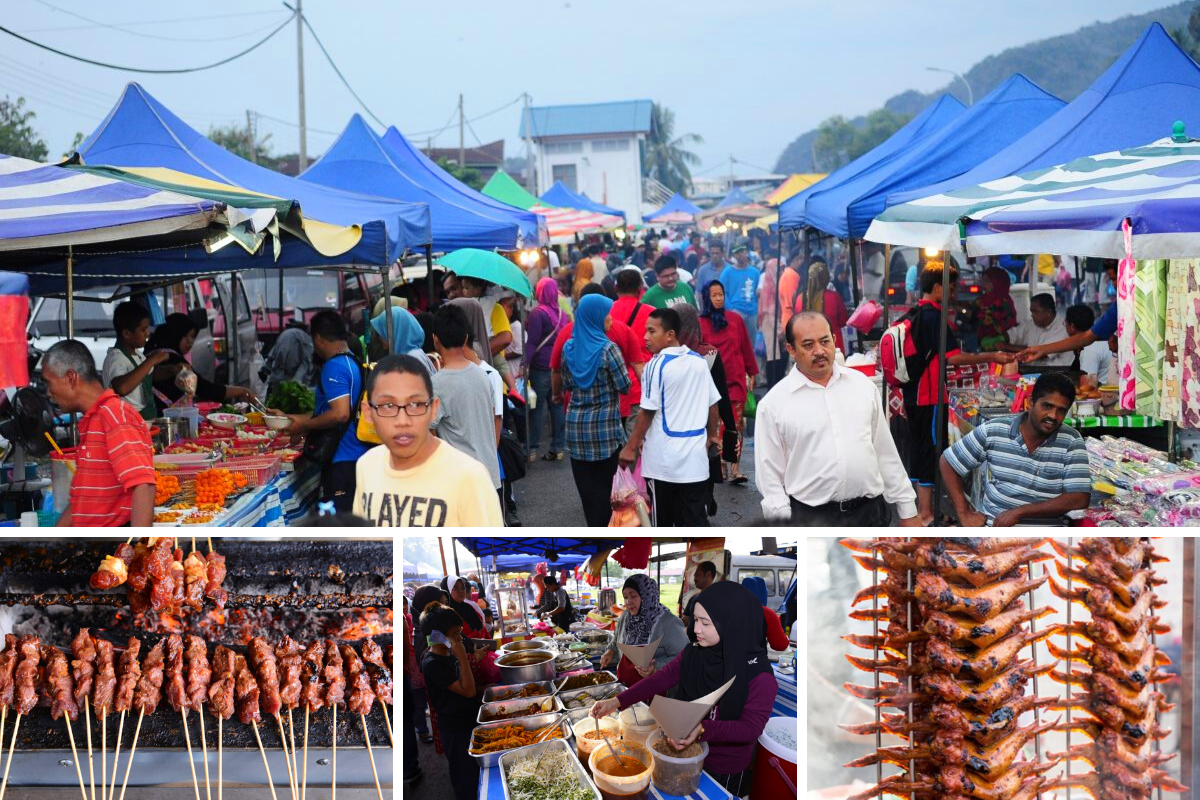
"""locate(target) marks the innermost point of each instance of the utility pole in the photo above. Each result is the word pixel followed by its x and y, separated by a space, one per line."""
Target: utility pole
pixel 303 162
pixel 530 172
pixel 462 163
pixel 251 134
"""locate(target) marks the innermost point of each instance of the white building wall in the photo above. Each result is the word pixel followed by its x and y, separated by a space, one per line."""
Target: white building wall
pixel 604 173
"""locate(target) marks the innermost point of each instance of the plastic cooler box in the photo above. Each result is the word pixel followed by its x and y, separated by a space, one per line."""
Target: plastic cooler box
pixel 774 764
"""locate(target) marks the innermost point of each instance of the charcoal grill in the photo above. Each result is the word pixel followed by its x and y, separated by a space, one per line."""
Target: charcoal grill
pixel 308 589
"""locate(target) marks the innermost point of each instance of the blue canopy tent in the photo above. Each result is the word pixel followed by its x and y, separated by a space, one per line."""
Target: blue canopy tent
pixel 678 204
pixel 736 197
pixel 793 212
pixel 537 545
pixel 1141 95
pixel 140 132
pixel 422 170
pixel 519 563
pixel 560 195
pixel 360 161
pixel 1008 112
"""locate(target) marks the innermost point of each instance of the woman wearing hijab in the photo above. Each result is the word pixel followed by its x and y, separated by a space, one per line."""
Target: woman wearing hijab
pixel 475 628
pixel 543 325
pixel 176 335
pixel 821 297
pixel 423 596
pixel 643 621
pixel 595 374
pixel 478 322
pixel 724 329
pixel 997 312
pixel 775 635
pixel 408 337
pixel 585 270
pixel 690 336
pixel 730 644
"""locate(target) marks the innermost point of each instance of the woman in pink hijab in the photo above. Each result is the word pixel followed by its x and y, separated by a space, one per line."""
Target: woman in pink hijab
pixel 542 326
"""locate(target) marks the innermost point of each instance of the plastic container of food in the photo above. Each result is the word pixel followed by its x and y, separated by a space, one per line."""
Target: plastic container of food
pixel 489 694
pixel 637 728
pixel 628 777
pixel 676 775
pixel 584 745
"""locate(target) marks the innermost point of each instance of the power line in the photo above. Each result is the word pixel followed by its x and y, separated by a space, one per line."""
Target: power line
pixel 294 124
pixel 222 62
pixel 98 24
pixel 345 82
pixel 476 135
pixel 153 22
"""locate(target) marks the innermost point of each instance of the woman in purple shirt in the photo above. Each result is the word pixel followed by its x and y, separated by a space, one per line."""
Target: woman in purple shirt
pixel 725 647
pixel 542 326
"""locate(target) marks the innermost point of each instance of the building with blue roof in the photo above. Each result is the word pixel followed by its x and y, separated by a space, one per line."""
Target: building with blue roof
pixel 593 149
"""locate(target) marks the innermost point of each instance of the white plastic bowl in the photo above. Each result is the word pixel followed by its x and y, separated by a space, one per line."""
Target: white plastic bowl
pixel 228 421
pixel 276 423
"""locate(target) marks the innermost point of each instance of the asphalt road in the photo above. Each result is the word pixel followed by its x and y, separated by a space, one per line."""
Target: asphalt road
pixel 547 496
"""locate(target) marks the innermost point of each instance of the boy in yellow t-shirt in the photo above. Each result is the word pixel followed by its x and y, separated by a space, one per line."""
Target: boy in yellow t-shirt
pixel 414 479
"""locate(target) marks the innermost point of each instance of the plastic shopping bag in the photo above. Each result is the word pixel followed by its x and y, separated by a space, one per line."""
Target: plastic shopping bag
pixel 630 509
pixel 865 316
pixel 760 345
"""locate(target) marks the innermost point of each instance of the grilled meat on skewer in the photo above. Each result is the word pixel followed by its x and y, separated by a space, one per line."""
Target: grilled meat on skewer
pixel 83 667
pixel 288 653
pixel 149 685
pixel 335 679
pixel 975 545
pixel 312 672
pixel 128 672
pixel 220 693
pixel 105 680
pixel 176 690
pixel 361 697
pixel 8 665
pixel 216 574
pixel 26 676
pixel 199 676
pixel 976 570
pixel 195 570
pixel 246 692
pixel 377 669
pixel 114 570
pixel 61 687
pixel 978 604
pixel 266 672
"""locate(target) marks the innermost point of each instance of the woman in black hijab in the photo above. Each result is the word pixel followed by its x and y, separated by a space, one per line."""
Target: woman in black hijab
pixel 176 335
pixel 730 644
pixel 423 596
pixel 476 634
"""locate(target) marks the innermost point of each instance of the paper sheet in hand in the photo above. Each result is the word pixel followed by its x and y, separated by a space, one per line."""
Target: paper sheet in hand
pixel 677 718
pixel 640 655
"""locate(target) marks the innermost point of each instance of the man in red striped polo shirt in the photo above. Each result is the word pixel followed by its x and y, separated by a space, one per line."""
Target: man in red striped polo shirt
pixel 114 478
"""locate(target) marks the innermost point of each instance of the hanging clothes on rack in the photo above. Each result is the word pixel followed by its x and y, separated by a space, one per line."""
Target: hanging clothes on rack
pixel 1174 329
pixel 1188 352
pixel 1127 325
pixel 1150 303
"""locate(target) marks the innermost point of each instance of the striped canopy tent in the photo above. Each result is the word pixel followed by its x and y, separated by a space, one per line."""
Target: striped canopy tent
pixel 1075 208
pixel 563 223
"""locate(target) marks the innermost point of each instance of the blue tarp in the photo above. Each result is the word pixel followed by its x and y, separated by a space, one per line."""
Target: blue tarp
pixel 736 197
pixel 359 161
pixel 526 563
pixel 537 545
pixel 793 212
pixel 677 204
pixel 1135 101
pixel 424 171
pixel 1009 111
pixel 142 132
pixel 560 195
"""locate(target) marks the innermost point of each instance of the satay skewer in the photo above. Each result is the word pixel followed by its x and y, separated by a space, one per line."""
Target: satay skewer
pixel 220 766
pixel 8 763
pixel 191 761
pixel 304 780
pixel 116 757
pixel 75 758
pixel 103 756
pixel 267 766
pixel 334 784
pixel 204 745
pixel 292 744
pixel 371 755
pixel 388 720
pixel 132 750
pixel 287 761
pixel 87 716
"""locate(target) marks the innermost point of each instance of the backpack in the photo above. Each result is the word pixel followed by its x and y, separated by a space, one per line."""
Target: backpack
pixel 901 356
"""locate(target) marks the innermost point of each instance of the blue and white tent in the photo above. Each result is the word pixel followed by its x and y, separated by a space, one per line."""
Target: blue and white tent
pixel 560 195
pixel 1075 208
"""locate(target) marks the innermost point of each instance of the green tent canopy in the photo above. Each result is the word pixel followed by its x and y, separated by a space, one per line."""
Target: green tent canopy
pixel 502 187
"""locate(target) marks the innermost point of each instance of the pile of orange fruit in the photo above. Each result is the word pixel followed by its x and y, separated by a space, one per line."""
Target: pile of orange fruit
pixel 165 486
pixel 214 485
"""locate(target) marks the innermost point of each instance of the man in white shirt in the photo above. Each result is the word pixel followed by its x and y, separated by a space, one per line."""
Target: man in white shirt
pixel 823 452
pixel 1043 327
pixel 127 371
pixel 678 422
pixel 1096 358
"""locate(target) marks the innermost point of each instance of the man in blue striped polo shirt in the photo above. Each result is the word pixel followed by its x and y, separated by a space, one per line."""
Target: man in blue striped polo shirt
pixel 1036 467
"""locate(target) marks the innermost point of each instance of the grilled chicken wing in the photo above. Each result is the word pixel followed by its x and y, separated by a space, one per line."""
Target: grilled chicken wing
pixel 979 604
pixel 988 695
pixel 1100 601
pixel 975 569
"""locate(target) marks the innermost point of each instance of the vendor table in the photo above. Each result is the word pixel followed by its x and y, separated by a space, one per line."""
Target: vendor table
pixel 491 787
pixel 785 698
pixel 1123 421
pixel 282 501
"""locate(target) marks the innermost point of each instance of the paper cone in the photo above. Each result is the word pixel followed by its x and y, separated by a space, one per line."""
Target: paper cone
pixel 677 718
pixel 640 655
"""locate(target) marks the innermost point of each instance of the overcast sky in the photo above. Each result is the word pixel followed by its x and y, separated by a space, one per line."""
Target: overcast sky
pixel 747 76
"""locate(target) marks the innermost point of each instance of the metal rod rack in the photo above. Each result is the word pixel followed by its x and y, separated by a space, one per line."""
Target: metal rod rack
pixel 257 602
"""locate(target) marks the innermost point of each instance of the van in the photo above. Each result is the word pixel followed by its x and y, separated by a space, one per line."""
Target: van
pixel 778 573
pixel 310 291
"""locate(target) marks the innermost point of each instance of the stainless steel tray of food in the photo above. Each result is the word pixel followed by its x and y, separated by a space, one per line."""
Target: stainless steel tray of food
pixel 489 760
pixel 577 714
pixel 558 682
pixel 489 694
pixel 569 661
pixel 602 692
pixel 536 750
pixel 547 704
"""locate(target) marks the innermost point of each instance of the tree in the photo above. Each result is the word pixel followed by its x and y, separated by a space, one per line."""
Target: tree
pixel 840 141
pixel 74 148
pixel 468 175
pixel 1189 37
pixel 881 124
pixel 17 136
pixel 241 140
pixel 666 157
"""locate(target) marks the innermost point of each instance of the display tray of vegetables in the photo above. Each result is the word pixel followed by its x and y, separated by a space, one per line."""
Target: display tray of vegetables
pixel 291 397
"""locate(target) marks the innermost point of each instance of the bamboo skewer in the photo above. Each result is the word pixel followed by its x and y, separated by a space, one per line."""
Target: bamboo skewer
pixel 266 766
pixel 3 717
pixel 87 716
pixel 116 756
pixel 304 781
pixel 287 761
pixel 292 744
pixel 104 753
pixel 372 755
pixel 191 762
pixel 333 795
pixel 220 766
pixel 7 764
pixel 388 720
pixel 132 750
pixel 75 758
pixel 204 744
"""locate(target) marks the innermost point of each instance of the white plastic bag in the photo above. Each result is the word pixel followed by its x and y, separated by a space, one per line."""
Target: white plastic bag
pixel 258 386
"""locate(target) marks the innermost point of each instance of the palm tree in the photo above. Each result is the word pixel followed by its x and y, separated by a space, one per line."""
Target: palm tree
pixel 665 158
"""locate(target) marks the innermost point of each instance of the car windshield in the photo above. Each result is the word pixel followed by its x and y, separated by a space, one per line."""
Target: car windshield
pixel 300 289
pixel 90 318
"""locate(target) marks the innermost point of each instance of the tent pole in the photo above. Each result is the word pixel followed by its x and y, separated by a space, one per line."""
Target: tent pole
pixel 454 553
pixel 387 308
pixel 231 331
pixel 939 417
pixel 70 292
pixel 279 331
pixel 442 551
pixel 429 273
pixel 887 316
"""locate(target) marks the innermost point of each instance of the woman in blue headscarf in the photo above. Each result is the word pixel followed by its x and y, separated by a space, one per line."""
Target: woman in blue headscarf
pixel 775 633
pixel 408 337
pixel 595 375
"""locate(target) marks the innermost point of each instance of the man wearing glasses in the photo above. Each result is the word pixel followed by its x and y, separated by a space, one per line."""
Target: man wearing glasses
pixel 415 479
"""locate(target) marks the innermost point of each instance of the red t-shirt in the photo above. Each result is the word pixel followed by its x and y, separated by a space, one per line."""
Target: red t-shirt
pixel 620 335
pixel 621 311
pixel 114 458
